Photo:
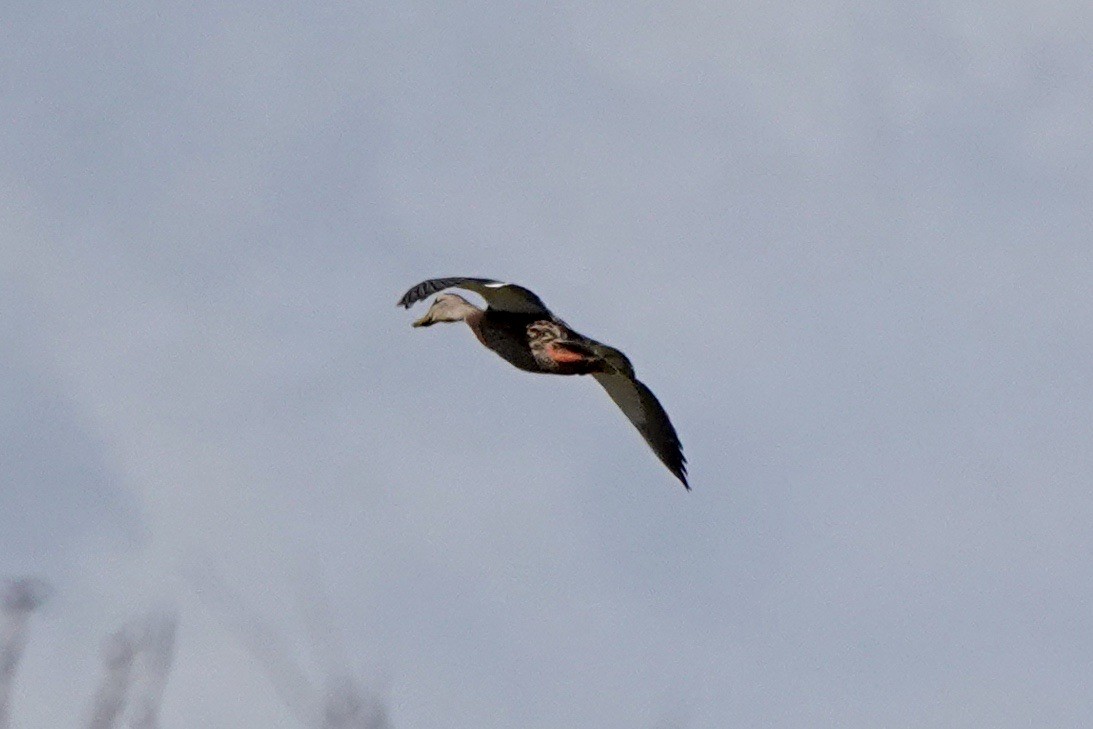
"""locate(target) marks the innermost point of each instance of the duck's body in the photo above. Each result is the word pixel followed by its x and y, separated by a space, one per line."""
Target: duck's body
pixel 521 340
pixel 518 327
pixel 534 344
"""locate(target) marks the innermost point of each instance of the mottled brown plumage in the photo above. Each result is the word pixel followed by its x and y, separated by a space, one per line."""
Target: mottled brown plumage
pixel 518 327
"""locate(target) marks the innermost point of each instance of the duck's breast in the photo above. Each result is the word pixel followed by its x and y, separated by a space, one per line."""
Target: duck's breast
pixel 506 334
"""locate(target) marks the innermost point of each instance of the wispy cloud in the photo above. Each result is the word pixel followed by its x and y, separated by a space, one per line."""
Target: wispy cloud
pixel 336 700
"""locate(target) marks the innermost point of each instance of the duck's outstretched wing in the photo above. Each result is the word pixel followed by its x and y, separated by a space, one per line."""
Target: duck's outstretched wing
pixel 499 295
pixel 646 413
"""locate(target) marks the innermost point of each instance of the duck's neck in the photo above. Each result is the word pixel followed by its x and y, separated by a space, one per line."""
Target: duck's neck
pixel 474 317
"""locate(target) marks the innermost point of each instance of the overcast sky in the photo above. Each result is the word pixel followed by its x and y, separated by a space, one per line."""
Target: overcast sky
pixel 848 246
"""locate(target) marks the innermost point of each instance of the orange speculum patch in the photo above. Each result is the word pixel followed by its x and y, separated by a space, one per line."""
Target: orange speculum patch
pixel 563 355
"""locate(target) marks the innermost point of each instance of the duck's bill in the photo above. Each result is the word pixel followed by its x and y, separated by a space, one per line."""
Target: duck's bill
pixel 424 321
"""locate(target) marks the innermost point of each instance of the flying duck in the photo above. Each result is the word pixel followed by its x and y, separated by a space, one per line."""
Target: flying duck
pixel 517 326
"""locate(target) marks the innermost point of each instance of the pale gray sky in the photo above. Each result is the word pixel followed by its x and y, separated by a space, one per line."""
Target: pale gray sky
pixel 847 246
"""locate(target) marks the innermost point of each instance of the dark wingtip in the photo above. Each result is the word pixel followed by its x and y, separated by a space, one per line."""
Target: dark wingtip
pixel 679 467
pixel 407 299
pixel 424 289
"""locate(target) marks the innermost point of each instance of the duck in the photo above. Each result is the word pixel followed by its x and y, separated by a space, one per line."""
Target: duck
pixel 518 326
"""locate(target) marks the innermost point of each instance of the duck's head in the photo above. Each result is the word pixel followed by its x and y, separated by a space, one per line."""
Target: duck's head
pixel 446 307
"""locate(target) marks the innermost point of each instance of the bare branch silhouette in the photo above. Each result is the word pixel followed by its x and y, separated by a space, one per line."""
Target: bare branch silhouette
pixel 118 651
pixel 18 599
pixel 348 706
pixel 157 648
